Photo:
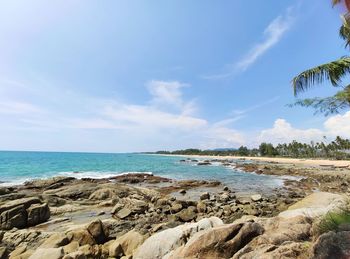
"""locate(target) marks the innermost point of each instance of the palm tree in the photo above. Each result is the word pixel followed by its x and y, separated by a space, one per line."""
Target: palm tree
pixel 333 72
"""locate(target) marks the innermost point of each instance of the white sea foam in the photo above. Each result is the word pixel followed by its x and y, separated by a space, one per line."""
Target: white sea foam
pixel 98 175
pixel 78 175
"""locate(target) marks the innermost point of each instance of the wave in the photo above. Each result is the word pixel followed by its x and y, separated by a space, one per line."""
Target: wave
pixel 78 175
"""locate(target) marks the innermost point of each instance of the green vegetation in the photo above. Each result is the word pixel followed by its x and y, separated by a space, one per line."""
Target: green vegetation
pixel 337 149
pixel 332 72
pixel 334 221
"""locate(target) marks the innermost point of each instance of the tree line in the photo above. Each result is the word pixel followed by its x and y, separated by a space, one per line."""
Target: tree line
pixel 337 149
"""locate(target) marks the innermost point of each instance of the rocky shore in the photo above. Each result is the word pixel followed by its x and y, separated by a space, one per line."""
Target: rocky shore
pixel 146 216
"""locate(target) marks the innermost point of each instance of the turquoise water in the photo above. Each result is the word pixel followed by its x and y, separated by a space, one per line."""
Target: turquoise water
pixel 18 167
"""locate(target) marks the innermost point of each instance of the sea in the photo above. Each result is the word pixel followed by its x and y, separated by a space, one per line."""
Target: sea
pixel 17 167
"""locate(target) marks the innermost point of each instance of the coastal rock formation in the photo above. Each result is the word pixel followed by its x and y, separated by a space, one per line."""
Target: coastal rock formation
pixel 23 213
pixel 162 243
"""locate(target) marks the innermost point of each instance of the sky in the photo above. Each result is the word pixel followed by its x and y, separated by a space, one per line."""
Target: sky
pixel 128 76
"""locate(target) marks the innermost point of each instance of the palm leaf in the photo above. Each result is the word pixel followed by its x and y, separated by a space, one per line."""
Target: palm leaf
pixel 335 2
pixel 333 72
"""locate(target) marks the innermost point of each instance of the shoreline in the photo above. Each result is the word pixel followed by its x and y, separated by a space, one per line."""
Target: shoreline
pixel 279 160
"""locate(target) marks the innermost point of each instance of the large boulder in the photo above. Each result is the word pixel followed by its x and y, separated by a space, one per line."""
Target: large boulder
pixel 162 243
pixel 46 253
pixel 98 231
pixel 219 242
pixel 315 205
pixel 23 213
pixel 126 244
pixel 55 241
pixel 282 238
pixel 332 245
pixel 38 213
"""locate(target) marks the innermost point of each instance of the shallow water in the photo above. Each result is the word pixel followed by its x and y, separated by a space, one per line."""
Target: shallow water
pixel 18 167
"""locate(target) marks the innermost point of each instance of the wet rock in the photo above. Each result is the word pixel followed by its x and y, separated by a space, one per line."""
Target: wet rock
pixel 204 163
pixel 183 191
pixel 205 196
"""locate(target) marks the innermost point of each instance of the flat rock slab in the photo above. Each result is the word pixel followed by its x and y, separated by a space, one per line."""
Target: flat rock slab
pixel 315 205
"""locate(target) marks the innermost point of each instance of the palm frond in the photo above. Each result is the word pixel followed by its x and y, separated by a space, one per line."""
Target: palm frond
pixel 329 105
pixel 333 72
pixel 335 2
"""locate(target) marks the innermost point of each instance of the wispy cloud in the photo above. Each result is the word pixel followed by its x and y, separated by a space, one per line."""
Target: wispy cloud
pixel 242 112
pixel 273 33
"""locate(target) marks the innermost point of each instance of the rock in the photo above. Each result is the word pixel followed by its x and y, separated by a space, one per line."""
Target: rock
pixel 46 253
pixel 161 243
pixel 3 253
pixel 103 194
pixel 37 213
pixel 204 163
pixel 219 242
pixel 71 247
pixel 129 242
pixel 75 255
pixel 205 196
pixel 315 205
pixel 243 201
pixel 18 251
pixel 226 188
pixel 117 208
pixel 224 197
pixel 82 236
pixel 188 214
pixel 176 207
pixel 123 213
pixel 332 245
pixel 201 207
pixel 23 213
pixel 138 206
pixel 98 231
pixel 256 197
pixel 183 191
pixel 115 249
pixel 56 240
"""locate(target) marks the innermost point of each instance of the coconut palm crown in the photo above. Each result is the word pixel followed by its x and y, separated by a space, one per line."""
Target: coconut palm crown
pixel 333 72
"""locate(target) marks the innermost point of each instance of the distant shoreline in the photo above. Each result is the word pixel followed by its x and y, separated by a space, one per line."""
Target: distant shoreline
pixel 280 160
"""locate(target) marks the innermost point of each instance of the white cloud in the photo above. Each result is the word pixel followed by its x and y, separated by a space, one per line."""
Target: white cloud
pixel 283 132
pixel 338 125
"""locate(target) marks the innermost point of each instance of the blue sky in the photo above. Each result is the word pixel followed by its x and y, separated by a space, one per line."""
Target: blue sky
pixel 120 76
